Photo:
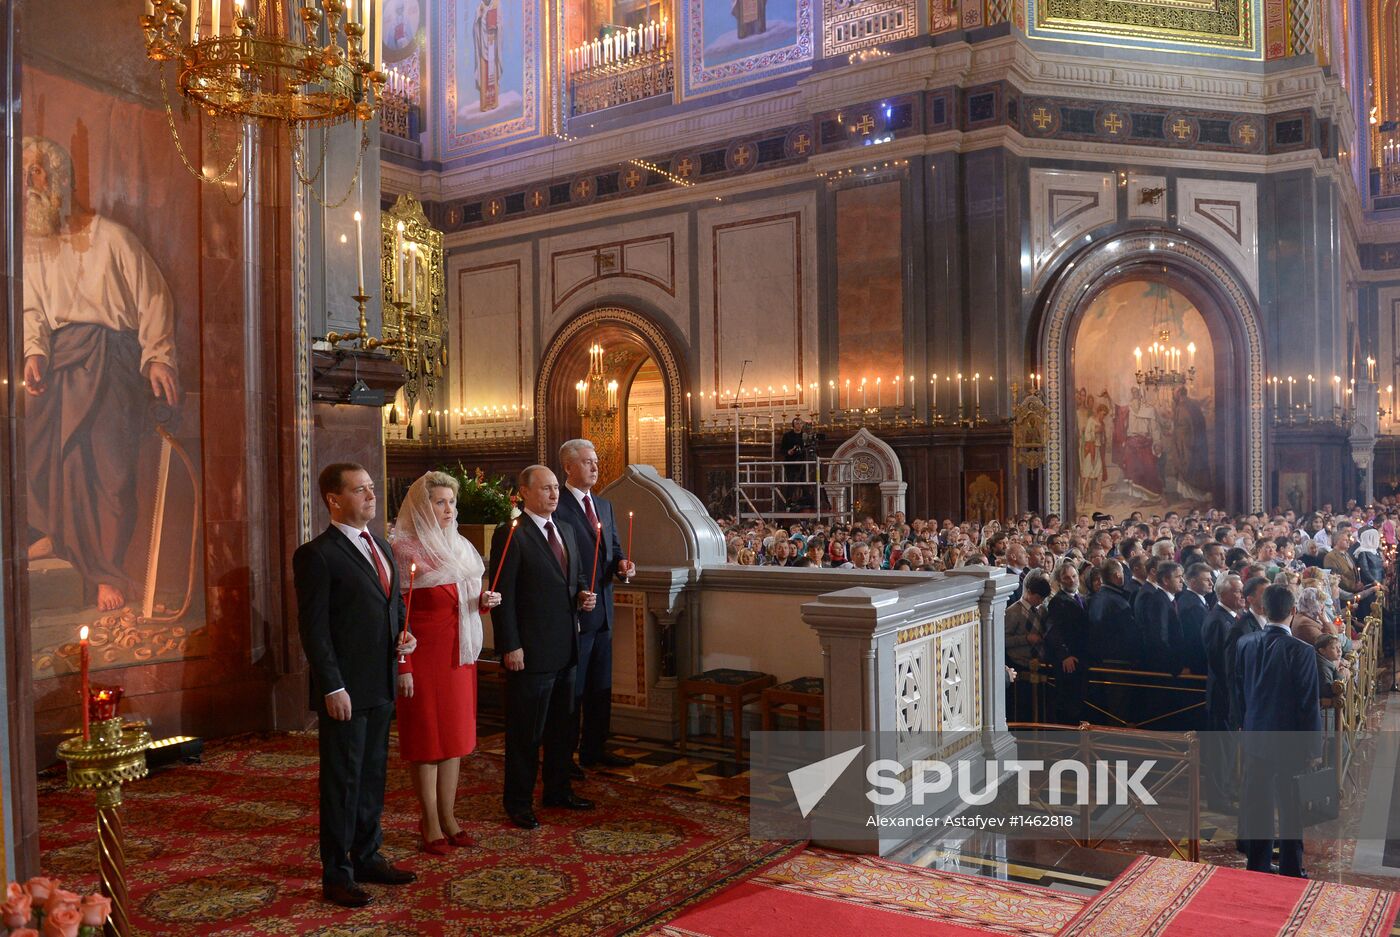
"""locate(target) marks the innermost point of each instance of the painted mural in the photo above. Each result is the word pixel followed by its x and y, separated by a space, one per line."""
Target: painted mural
pixel 1140 446
pixel 728 43
pixel 112 365
pixel 1230 28
pixel 493 81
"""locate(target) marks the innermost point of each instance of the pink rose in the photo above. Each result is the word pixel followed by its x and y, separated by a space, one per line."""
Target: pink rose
pixel 58 898
pixel 96 909
pixel 62 921
pixel 39 888
pixel 16 911
pixel 25 932
pixel 14 890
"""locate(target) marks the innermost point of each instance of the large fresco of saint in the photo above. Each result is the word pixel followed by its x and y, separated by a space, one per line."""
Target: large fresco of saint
pixel 493 63
pixel 1140 445
pixel 727 43
pixel 112 372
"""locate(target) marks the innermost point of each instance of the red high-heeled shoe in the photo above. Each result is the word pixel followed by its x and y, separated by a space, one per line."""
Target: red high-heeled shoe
pixel 460 839
pixel 435 847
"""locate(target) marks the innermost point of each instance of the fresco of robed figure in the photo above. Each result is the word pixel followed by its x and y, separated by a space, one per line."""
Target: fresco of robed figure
pixel 111 437
pixel 1140 446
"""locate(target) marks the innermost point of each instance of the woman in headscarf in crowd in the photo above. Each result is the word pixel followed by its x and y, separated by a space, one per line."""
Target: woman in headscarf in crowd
pixel 1310 615
pixel 437 683
pixel 1370 567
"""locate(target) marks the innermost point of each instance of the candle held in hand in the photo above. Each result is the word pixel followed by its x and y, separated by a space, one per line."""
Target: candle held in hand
pixel 83 663
pixel 407 608
pixel 597 541
pixel 504 550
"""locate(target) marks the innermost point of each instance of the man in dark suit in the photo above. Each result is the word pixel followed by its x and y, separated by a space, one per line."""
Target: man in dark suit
pixel 543 586
pixel 1282 735
pixel 1250 621
pixel 349 612
pixel 1154 611
pixel 1067 644
pixel 1111 616
pixel 585 513
pixel 1218 750
pixel 1192 605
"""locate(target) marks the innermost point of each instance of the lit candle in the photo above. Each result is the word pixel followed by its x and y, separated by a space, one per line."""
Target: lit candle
pixel 504 550
pixel 597 540
pixel 194 37
pixel 1290 394
pixel 1190 354
pixel 629 535
pixel 960 402
pixel 1274 381
pixel 214 24
pixel 879 393
pixel 1137 357
pixel 1336 391
pixel 83 664
pixel 1312 401
pixel 848 393
pixel 413 273
pixel 1371 369
pixel 862 393
pixel 398 255
pixel 933 404
pixel 360 252
pixel 977 391
pixel 582 389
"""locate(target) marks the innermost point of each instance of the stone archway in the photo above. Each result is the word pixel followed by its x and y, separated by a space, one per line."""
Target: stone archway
pixel 874 463
pixel 1195 268
pixel 565 361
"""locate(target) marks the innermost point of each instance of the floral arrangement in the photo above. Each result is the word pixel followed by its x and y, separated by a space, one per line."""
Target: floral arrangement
pixel 40 908
pixel 482 500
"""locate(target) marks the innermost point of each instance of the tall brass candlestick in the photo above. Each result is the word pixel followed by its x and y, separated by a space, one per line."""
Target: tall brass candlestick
pixel 115 754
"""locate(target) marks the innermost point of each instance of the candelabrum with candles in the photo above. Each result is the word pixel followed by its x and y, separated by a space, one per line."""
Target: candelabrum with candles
pixel 398 114
pixel 1161 364
pixel 306 69
pixel 620 66
pixel 597 395
pixel 102 759
pixel 1294 401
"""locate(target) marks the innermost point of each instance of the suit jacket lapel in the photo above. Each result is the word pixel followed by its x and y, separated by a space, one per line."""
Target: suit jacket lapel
pixel 360 561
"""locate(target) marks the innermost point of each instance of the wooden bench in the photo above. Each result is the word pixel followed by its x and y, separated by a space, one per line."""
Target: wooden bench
pixel 804 698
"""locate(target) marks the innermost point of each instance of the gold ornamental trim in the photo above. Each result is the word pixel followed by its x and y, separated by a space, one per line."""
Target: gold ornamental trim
pixel 938 626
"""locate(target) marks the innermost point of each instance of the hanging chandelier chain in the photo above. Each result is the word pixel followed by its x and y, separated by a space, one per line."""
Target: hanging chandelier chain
pixel 298 166
pixel 196 171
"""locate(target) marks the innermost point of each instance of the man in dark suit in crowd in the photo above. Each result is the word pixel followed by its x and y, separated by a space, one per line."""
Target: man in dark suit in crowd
pixel 1282 735
pixel 1192 605
pixel 350 614
pixel 1250 620
pixel 543 586
pixel 1067 644
pixel 584 511
pixel 1218 750
pixel 1111 616
pixel 1154 611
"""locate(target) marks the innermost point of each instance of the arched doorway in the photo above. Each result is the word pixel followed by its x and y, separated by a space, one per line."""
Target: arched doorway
pixel 1121 439
pixel 878 487
pixel 642 419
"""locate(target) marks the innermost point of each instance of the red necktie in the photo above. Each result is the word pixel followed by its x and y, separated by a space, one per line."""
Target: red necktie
pixel 588 509
pixel 378 565
pixel 557 548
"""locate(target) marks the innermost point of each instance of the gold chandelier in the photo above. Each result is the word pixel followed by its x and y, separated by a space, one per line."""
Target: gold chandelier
pixel 262 62
pixel 597 395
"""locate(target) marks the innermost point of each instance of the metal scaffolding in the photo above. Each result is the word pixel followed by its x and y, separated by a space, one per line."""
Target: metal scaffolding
pixel 767 488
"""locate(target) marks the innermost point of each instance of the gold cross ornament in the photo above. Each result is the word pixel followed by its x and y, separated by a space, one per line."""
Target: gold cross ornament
pixel 741 155
pixel 684 167
pixel 1041 117
pixel 1113 123
pixel 632 178
pixel 1181 128
pixel 536 198
pixel 1248 133
pixel 583 188
pixel 802 143
pixel 865 124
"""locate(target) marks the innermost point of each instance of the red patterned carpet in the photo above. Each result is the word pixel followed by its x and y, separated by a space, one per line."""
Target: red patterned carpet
pixel 229 847
pixel 1168 898
pixel 820 894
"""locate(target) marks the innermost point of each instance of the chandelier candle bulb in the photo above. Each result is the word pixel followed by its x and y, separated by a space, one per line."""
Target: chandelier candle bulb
pixel 1290 394
pixel 862 394
pixel 879 394
pixel 960 395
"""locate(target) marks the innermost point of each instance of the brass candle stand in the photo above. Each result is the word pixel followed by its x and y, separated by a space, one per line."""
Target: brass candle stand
pixel 365 340
pixel 115 754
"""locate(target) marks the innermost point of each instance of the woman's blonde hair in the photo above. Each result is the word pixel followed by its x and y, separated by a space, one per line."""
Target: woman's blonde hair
pixel 442 480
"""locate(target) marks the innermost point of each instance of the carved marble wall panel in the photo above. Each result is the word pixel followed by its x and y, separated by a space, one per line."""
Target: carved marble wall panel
pixel 848 25
pixel 758 300
pixel 1147 197
pixel 1066 205
pixel 1225 214
pixel 490 319
pixel 1231 28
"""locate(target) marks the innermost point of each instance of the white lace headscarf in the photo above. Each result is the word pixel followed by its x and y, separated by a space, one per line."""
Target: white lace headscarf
pixel 442 556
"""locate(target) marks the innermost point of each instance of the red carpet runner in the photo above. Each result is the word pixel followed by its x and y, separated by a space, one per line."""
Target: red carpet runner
pixel 229 847
pixel 819 894
pixel 1170 898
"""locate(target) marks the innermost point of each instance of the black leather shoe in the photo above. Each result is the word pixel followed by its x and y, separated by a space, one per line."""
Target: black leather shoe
pixel 576 773
pixel 347 896
pixel 382 873
pixel 571 802
pixel 610 760
pixel 526 820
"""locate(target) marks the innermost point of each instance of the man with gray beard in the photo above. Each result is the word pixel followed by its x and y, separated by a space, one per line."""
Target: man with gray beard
pixel 99 331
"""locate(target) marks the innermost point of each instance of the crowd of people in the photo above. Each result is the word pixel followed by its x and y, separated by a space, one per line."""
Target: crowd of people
pixel 1254 603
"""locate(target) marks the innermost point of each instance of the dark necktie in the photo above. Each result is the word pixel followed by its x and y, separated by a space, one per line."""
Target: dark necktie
pixel 1079 600
pixel 378 565
pixel 557 548
pixel 588 509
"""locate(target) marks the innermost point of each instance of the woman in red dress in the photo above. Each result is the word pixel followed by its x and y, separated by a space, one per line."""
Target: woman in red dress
pixel 437 683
